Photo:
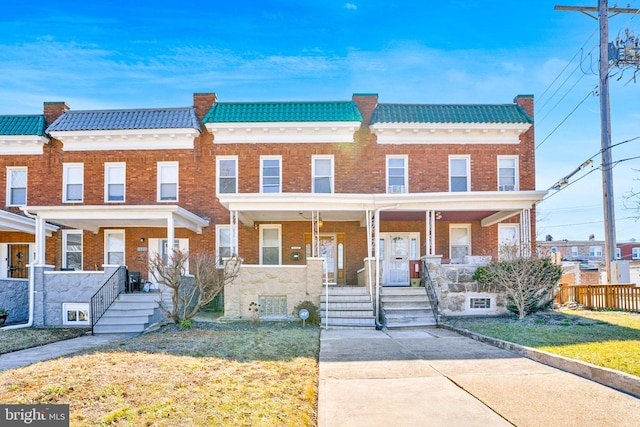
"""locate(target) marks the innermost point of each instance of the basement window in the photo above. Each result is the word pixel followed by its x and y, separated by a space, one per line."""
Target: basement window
pixel 480 303
pixel 273 306
pixel 75 314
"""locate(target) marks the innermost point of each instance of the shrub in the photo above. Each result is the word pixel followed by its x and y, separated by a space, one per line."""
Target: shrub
pixel 314 311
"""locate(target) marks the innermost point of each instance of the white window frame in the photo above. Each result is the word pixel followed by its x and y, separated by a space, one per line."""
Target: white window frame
pixel 574 252
pixel 109 232
pixel 467 159
pixel 516 177
pixel 595 251
pixel 618 253
pixel 404 188
pixel 219 159
pixel 271 227
pixel 262 176
pixel 65 235
pixel 456 226
pixel 329 157
pixel 221 259
pixel 168 165
pixel 635 253
pixel 66 168
pixel 10 187
pixel 78 308
pixel 108 167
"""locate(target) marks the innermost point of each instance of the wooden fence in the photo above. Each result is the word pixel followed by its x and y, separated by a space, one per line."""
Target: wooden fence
pixel 624 297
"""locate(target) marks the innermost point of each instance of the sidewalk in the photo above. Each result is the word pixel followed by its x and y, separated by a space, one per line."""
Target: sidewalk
pixel 54 350
pixel 436 377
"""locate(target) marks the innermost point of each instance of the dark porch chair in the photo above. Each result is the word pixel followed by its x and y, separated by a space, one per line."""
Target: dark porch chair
pixel 134 284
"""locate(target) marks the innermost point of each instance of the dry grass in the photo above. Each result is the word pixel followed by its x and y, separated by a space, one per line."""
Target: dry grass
pixel 18 339
pixel 239 374
pixel 604 338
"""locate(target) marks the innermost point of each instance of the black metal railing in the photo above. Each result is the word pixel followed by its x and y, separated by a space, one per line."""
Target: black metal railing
pixel 107 294
pixel 430 289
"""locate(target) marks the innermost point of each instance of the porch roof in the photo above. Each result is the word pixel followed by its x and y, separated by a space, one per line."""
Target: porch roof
pixel 490 207
pixel 94 217
pixel 13 222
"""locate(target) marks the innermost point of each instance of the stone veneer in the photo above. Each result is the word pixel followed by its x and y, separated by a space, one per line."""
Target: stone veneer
pixel 297 283
pixel 455 287
pixel 14 297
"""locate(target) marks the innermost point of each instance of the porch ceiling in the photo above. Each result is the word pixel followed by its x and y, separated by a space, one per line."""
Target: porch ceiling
pixel 94 217
pixel 489 207
pixel 11 222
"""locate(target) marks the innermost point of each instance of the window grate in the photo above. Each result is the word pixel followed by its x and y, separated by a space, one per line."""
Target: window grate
pixel 480 303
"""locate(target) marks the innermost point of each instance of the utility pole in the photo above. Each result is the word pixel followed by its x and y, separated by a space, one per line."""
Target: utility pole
pixel 605 124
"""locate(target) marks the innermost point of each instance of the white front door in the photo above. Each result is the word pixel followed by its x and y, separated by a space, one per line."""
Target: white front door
pixel 328 252
pixel 397 261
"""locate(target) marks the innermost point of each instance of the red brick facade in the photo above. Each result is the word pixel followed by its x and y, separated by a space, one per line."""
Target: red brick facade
pixel 360 168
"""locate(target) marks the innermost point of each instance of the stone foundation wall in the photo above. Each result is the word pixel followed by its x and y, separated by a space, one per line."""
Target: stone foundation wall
pixel 14 297
pixel 297 283
pixel 456 288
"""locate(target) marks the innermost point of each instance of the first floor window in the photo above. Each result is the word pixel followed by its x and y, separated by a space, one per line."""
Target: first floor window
pixel 270 244
pixel 223 243
pixel 72 249
pixel 114 244
pixel 17 186
pixel 460 242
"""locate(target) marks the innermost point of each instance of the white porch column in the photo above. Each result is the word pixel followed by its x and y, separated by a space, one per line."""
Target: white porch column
pixel 233 220
pixel 40 258
pixel 376 224
pixel 430 232
pixel 171 235
pixel 525 232
pixel 315 233
pixel 371 248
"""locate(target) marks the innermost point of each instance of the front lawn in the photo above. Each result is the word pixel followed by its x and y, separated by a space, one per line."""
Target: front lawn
pixel 212 374
pixel 18 339
pixel 605 338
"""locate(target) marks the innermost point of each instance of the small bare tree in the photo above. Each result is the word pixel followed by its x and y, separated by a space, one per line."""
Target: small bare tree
pixel 529 283
pixel 190 295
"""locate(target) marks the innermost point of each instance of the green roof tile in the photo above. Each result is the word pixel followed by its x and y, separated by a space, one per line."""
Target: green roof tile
pixel 485 113
pixel 22 125
pixel 254 112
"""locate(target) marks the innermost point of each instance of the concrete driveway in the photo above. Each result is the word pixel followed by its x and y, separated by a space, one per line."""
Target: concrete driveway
pixel 436 377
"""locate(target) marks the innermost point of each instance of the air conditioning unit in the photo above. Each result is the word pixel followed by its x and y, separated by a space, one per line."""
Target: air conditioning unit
pixel 509 187
pixel 395 189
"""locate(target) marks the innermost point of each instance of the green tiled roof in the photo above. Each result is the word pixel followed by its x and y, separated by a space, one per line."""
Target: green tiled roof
pixel 252 112
pixel 22 125
pixel 408 113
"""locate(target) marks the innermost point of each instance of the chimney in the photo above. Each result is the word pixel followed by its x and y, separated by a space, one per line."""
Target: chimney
pixel 53 110
pixel 366 103
pixel 202 103
pixel 526 102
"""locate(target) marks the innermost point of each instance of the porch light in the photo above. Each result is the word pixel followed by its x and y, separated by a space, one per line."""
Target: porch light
pixel 320 221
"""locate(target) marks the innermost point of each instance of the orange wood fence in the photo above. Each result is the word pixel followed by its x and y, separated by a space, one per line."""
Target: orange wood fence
pixel 624 297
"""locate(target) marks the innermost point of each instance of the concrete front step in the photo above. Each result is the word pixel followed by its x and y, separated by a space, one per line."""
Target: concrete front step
pixel 350 322
pixel 130 313
pixel 354 314
pixel 365 305
pixel 114 329
pixel 349 307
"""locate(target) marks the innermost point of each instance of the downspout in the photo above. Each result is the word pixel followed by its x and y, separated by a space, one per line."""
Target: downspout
pixel 377 246
pixel 31 288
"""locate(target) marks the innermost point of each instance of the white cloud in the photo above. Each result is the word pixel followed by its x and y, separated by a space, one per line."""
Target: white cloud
pixel 351 6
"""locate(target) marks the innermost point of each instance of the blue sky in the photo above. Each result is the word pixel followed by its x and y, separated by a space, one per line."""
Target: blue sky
pixel 115 54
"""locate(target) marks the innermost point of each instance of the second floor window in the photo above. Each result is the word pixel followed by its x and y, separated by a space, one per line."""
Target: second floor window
pixel 322 174
pixel 397 174
pixel 17 186
pixel 459 173
pixel 73 181
pixel 227 172
pixel 635 253
pixel 595 251
pixel 574 251
pixel 167 181
pixel 114 180
pixel 507 174
pixel 271 181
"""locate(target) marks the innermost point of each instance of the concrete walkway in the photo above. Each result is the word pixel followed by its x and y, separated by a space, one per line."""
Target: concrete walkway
pixel 54 350
pixel 436 377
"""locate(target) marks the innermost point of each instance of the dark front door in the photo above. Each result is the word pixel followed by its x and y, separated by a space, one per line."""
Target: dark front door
pixel 18 260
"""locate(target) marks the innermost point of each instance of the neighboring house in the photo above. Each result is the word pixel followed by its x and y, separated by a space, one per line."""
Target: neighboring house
pixel 587 251
pixel 306 193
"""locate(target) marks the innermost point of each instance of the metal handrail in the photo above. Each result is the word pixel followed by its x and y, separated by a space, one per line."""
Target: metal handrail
pixel 430 289
pixel 107 294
